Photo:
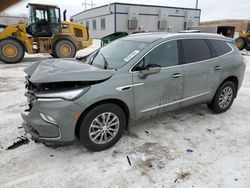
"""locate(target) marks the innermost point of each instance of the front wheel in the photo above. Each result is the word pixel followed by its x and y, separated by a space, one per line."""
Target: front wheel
pixel 11 51
pixel 102 127
pixel 223 98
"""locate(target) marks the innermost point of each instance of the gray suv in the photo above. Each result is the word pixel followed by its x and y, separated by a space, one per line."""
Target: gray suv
pixel 132 78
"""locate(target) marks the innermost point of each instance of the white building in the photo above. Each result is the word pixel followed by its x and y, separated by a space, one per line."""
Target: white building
pixel 123 17
pixel 6 20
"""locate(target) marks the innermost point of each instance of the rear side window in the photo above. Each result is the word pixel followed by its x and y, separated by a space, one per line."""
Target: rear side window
pixel 220 47
pixel 194 50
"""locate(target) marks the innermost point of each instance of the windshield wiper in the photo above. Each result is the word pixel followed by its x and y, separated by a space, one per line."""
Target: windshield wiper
pixel 105 62
pixel 94 56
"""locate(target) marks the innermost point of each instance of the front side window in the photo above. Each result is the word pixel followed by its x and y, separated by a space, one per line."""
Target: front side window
pixel 118 53
pixel 165 55
pixel 54 15
pixel 194 50
pixel 41 15
pixel 94 24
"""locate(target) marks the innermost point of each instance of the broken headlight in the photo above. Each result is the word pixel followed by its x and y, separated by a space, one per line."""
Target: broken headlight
pixel 67 95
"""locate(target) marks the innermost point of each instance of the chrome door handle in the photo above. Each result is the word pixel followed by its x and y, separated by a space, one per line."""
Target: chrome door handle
pixel 217 67
pixel 176 75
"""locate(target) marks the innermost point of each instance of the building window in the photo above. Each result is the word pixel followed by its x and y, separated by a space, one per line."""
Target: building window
pixel 103 23
pixel 94 24
pixel 87 24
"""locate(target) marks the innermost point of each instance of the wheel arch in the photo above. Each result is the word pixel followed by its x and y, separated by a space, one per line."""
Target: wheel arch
pixel 118 102
pixel 233 79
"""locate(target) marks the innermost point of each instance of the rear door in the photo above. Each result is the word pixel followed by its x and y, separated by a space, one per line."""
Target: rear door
pixel 198 70
pixel 161 91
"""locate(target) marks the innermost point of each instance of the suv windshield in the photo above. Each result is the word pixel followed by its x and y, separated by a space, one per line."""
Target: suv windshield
pixel 118 53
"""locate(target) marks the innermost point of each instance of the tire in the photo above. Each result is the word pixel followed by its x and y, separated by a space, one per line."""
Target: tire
pixel 240 43
pixel 227 87
pixel 89 125
pixel 64 49
pixel 11 51
pixel 247 47
pixel 53 55
pixel 247 38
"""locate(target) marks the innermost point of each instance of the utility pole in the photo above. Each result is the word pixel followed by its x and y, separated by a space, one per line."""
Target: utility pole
pixel 196 6
pixel 86 4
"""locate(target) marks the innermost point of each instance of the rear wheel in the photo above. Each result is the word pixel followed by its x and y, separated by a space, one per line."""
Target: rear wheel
pixel 64 49
pixel 11 51
pixel 240 43
pixel 223 98
pixel 102 127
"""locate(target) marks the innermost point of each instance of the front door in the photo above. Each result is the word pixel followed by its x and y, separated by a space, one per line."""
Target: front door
pixel 158 92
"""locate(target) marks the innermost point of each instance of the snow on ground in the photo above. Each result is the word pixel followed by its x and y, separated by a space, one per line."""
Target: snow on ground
pixel 156 147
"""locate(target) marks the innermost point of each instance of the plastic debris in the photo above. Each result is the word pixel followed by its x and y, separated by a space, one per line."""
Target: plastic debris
pixel 189 150
pixel 182 176
pixel 128 161
pixel 22 140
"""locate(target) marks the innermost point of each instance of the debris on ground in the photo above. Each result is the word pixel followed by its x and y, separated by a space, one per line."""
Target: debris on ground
pixel 22 140
pixel 200 114
pixel 132 135
pixel 128 161
pixel 182 176
pixel 190 151
pixel 147 132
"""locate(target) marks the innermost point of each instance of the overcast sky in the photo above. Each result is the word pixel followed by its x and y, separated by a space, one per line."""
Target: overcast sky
pixel 210 9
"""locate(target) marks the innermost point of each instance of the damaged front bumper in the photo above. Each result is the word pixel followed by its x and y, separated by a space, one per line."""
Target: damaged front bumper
pixel 52 121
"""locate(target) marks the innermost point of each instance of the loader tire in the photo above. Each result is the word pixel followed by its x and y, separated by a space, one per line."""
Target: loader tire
pixel 11 51
pixel 64 49
pixel 240 43
pixel 247 47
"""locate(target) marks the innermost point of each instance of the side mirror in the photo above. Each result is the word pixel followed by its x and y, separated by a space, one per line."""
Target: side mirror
pixel 150 69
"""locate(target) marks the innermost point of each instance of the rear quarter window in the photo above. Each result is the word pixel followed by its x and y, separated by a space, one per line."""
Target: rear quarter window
pixel 220 47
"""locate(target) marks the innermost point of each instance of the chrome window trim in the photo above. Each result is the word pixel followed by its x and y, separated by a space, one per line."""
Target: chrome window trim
pixel 174 102
pixel 227 42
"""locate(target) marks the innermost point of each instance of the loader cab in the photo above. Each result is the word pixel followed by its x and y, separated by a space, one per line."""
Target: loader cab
pixel 44 20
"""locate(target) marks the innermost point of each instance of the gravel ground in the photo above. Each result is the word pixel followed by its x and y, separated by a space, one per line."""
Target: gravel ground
pixel 157 148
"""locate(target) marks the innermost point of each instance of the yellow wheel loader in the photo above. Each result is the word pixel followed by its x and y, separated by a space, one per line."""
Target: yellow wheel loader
pixel 44 33
pixel 243 41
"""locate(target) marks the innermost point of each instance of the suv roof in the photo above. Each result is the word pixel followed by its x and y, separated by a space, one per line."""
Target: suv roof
pixel 154 36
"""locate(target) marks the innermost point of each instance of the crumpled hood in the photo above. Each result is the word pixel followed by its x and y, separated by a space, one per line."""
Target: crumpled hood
pixel 60 70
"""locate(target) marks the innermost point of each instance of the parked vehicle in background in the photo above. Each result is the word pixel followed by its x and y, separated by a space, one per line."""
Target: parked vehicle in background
pixel 132 78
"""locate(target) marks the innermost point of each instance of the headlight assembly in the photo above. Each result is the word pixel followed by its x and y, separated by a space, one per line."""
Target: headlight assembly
pixel 67 95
